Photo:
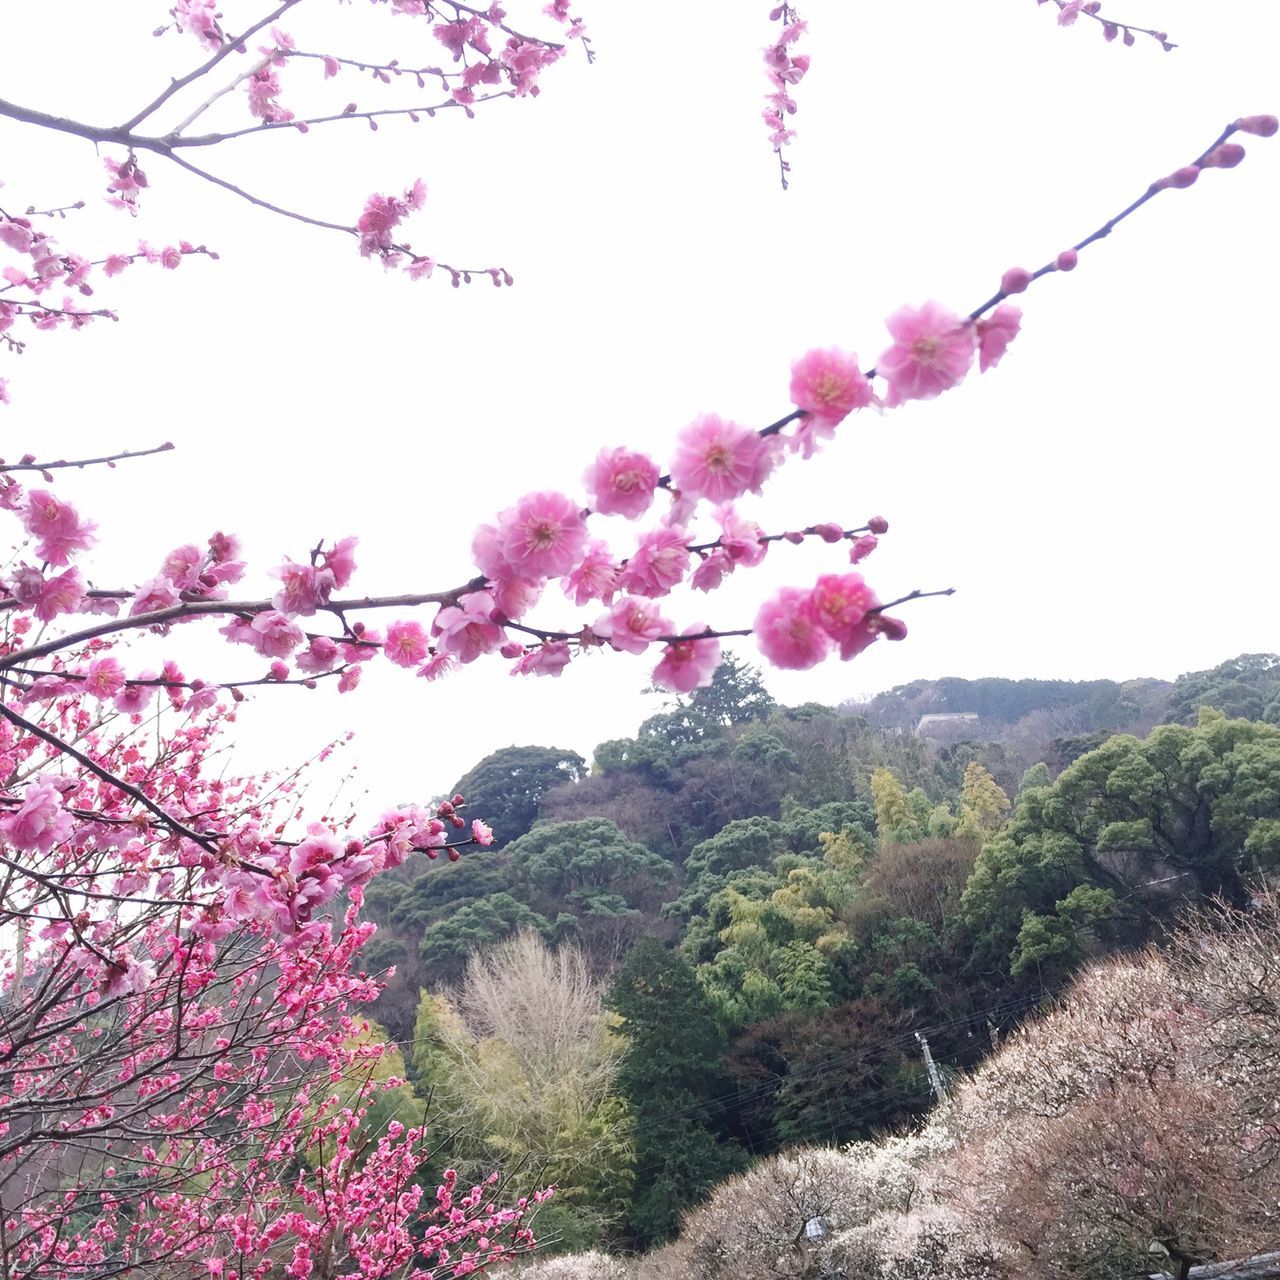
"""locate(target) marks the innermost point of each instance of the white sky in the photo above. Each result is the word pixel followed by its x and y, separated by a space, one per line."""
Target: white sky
pixel 1103 502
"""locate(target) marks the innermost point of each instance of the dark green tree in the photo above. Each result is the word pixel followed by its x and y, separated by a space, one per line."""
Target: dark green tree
pixel 1243 687
pixel 672 1078
pixel 505 786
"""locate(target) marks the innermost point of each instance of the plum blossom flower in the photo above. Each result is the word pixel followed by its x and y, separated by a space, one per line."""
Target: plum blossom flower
pixel 621 482
pixel 303 589
pixel 631 625
pixel 688 664
pixel 548 659
pixel 862 547
pixel 720 460
pixel 467 630
pixel 542 536
pixel 406 644
pixel 61 531
pixel 932 351
pixel 740 537
pixel 340 561
pixel 658 564
pixel 995 333
pixel 319 656
pixel 840 602
pixel 41 821
pixel 481 832
pixel 828 385
pixel 104 678
pixel 594 578
pixel 135 697
pixel 869 630
pixel 158 593
pixel 182 567
pixel 712 571
pixel 789 631
pixel 63 593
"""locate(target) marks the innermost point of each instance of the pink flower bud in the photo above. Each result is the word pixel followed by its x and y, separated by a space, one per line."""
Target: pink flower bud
pixel 453 855
pixel 457 800
pixel 878 524
pixel 1067 260
pixel 1227 156
pixel 794 537
pixel 1015 280
pixel 829 532
pixel 1259 126
pixel 1183 177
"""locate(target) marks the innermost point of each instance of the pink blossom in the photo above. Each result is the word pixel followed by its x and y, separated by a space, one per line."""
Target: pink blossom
pixel 303 588
pixel 127 976
pixel 182 566
pixel 715 566
pixel 514 597
pixel 406 644
pixel 270 633
pixel 621 482
pixel 134 698
pixel 862 547
pixel 340 561
pixel 740 537
pixel 319 656
pixel 41 821
pixel 158 593
pixel 720 460
pixel 104 678
pixel 548 659
pixel 481 832
pixel 870 629
pixel 594 578
pixel 61 594
pixel 61 531
pixel 932 351
pixel 658 564
pixel 840 603
pixel 542 536
pixel 995 333
pixel 688 664
pixel 438 666
pixel 467 630
pixel 349 679
pixel 828 385
pixel 631 625
pixel 789 632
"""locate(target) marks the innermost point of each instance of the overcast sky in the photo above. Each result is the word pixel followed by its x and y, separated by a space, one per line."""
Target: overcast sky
pixel 1104 502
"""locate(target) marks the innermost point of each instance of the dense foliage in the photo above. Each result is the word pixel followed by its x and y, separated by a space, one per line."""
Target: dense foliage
pixel 784 896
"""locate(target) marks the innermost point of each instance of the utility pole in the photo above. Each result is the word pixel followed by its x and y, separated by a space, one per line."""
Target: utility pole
pixel 932 1068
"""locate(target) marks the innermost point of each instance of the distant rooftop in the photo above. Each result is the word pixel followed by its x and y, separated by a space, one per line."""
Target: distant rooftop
pixel 943 720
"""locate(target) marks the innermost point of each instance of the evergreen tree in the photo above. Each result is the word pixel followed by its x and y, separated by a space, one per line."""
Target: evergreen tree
pixel 671 1077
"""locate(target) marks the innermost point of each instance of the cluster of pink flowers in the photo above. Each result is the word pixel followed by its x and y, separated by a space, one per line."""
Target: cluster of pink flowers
pixel 785 68
pixel 796 628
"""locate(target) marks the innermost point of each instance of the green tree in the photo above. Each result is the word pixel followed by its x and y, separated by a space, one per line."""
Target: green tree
pixel 505 786
pixel 1181 814
pixel 671 1076
pixel 983 805
pixel 1243 687
pixel 895 819
pixel 475 926
pixel 736 695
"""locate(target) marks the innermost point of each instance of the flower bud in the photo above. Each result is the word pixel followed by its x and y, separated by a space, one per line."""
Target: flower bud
pixel 829 532
pixel 1067 260
pixel 457 800
pixel 1015 280
pixel 878 524
pixel 1259 126
pixel 1226 156
pixel 1183 177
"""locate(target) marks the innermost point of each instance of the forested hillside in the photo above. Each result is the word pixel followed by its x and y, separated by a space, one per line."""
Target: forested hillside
pixel 720 938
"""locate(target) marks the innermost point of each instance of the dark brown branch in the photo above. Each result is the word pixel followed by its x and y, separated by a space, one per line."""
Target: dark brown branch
pixel 223 608
pixel 88 762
